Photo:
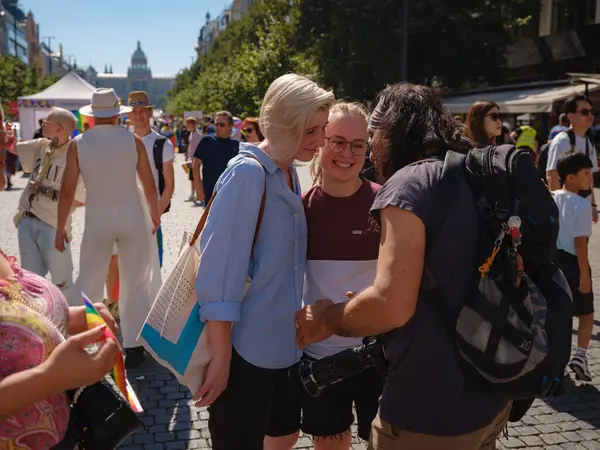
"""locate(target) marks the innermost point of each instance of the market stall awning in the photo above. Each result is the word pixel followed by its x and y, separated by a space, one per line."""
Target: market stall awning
pixel 71 87
pixel 519 101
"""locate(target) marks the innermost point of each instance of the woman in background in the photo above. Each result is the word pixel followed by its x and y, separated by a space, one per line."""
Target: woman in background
pixel 483 123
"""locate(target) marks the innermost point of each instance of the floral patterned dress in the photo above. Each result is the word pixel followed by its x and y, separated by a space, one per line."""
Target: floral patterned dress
pixel 26 340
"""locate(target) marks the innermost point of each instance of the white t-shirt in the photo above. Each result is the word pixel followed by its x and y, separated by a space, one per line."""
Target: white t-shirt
pixel 561 145
pixel 575 219
pixel 168 153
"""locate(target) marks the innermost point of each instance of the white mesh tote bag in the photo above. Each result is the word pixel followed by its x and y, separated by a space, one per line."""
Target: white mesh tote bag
pixel 173 332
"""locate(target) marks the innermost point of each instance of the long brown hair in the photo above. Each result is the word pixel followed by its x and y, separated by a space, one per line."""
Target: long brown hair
pixel 476 122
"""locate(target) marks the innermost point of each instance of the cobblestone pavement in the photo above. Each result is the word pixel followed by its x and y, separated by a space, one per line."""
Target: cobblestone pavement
pixel 571 422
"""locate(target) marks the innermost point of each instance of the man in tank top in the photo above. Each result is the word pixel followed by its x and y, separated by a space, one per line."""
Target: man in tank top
pixel 109 159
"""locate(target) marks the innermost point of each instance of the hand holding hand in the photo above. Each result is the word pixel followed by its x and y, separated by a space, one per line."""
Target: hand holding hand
pixel 310 323
pixel 70 366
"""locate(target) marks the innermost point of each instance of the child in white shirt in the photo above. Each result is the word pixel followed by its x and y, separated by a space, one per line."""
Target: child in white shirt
pixel 574 170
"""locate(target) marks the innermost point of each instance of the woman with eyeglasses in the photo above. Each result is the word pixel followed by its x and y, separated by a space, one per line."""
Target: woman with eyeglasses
pixel 252 130
pixel 483 123
pixel 343 245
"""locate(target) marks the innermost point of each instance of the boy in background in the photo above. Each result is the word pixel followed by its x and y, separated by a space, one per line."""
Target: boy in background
pixel 574 170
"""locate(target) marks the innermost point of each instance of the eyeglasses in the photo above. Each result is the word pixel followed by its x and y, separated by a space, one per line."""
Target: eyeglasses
pixel 221 124
pixel 337 144
pixel 494 116
pixel 586 112
pixel 249 130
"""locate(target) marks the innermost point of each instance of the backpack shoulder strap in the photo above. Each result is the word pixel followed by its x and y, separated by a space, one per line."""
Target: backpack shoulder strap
pixel 157 152
pixel 572 138
pixel 445 193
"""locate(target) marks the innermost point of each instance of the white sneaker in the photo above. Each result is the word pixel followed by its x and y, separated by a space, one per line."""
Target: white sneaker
pixel 579 365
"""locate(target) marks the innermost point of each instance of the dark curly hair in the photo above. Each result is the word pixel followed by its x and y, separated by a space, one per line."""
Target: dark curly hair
pixel 413 124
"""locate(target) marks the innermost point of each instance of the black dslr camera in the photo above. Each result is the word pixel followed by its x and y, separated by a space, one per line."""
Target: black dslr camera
pixel 317 375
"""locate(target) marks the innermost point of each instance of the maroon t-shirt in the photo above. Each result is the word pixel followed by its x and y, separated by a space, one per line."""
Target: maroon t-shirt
pixel 343 246
pixel 341 228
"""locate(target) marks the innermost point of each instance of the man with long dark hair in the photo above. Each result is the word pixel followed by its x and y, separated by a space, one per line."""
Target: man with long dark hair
pixel 431 399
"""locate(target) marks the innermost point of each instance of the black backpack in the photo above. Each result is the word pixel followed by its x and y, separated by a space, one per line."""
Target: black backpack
pixel 517 338
pixel 157 152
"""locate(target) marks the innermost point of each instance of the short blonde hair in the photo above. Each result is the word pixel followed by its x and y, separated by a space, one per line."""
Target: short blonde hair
pixel 340 110
pixel 289 104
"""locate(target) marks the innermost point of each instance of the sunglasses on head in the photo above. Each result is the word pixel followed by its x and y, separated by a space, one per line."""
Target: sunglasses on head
pixel 494 116
pixel 586 112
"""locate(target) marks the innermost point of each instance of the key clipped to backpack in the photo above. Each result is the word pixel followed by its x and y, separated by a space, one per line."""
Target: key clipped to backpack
pixel 514 326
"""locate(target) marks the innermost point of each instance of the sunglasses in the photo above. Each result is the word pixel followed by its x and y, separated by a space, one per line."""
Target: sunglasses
pixel 586 112
pixel 494 116
pixel 221 124
pixel 249 130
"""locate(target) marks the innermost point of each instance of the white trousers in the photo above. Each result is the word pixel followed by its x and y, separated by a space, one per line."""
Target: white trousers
pixel 139 269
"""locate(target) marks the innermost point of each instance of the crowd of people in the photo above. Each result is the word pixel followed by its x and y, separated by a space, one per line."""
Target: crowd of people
pixel 329 266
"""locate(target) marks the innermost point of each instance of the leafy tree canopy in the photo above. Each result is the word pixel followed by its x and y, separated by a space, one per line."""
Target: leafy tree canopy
pixel 351 46
pixel 16 80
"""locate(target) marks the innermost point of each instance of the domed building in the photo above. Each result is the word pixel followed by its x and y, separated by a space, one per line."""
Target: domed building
pixel 138 78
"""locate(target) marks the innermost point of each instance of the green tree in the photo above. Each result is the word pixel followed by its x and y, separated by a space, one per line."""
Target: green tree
pixel 359 43
pixel 244 60
pixel 16 80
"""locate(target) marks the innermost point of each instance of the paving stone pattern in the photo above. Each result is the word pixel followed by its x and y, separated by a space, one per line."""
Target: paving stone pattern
pixel 570 422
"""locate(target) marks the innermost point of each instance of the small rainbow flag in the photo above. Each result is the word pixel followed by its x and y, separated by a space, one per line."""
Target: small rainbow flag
pixel 94 320
pixel 187 166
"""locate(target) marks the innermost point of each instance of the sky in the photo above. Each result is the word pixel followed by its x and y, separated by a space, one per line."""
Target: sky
pixel 107 31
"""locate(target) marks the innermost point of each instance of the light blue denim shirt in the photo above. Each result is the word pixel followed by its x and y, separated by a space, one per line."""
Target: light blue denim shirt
pixel 263 331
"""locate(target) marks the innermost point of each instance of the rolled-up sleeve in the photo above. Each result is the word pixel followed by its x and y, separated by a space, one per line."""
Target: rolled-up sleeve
pixel 226 241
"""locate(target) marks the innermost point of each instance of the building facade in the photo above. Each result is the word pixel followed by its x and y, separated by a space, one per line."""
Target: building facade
pixel 212 28
pixel 562 37
pixel 138 78
pixel 12 28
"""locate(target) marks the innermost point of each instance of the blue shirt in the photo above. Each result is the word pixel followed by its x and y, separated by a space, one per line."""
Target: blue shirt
pixel 263 330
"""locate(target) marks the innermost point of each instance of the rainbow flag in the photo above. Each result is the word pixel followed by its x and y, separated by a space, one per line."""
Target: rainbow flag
pixel 94 319
pixel 187 166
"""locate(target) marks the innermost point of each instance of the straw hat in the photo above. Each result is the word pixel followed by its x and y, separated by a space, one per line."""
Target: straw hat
pixel 139 99
pixel 105 103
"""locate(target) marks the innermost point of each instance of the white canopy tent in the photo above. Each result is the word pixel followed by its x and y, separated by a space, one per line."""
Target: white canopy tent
pixel 519 101
pixel 70 92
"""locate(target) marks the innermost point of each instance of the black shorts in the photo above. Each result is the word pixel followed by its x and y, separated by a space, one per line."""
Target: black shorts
pixel 254 405
pixel 331 413
pixel 583 304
